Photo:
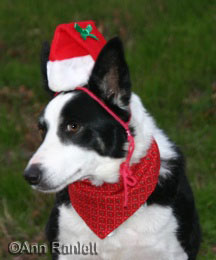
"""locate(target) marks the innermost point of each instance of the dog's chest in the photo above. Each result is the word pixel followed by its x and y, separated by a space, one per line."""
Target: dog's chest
pixel 149 234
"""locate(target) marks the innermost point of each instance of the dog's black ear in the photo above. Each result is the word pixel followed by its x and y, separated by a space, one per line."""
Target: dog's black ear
pixel 110 78
pixel 45 51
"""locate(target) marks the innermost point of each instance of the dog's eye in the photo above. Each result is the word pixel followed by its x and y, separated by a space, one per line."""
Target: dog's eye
pixel 72 127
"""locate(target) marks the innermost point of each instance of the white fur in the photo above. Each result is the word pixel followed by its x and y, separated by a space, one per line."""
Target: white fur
pixel 67 74
pixel 150 233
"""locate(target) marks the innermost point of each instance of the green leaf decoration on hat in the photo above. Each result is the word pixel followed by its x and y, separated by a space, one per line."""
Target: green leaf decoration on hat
pixel 84 33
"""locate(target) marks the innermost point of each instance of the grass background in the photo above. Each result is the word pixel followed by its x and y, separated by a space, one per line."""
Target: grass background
pixel 171 50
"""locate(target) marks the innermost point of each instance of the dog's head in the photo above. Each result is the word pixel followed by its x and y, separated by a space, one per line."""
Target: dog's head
pixel 80 139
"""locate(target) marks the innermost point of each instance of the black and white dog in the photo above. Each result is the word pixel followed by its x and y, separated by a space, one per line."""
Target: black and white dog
pixel 81 140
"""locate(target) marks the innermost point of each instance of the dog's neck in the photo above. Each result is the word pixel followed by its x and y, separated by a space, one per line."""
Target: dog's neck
pixel 143 126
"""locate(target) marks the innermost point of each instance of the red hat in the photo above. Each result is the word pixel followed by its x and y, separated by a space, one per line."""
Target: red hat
pixel 73 52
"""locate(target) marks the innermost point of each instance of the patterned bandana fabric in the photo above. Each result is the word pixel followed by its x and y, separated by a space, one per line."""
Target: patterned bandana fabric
pixel 102 207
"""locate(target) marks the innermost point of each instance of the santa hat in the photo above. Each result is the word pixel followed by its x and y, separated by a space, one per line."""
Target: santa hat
pixel 73 52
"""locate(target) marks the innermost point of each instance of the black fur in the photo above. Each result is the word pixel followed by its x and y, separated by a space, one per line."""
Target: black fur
pixel 52 227
pixel 98 130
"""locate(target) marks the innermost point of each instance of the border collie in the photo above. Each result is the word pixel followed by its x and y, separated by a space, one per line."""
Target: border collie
pixel 82 141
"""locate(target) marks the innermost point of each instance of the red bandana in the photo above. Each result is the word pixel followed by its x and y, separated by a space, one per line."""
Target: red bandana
pixel 102 207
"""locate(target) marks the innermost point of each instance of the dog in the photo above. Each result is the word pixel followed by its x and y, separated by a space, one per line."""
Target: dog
pixel 82 141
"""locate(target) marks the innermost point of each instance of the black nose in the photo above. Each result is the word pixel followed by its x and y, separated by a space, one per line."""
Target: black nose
pixel 33 174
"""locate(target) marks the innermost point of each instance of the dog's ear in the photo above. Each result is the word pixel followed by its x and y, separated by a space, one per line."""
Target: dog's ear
pixel 45 51
pixel 110 78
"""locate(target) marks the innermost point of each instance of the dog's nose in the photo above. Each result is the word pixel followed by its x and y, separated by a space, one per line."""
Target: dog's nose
pixel 33 174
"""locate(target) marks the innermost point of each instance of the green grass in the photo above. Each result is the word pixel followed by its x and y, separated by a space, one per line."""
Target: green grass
pixel 170 47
